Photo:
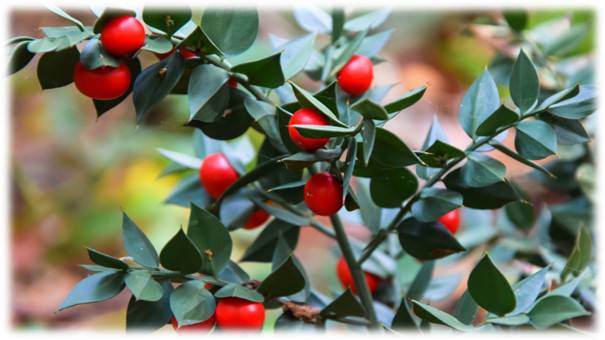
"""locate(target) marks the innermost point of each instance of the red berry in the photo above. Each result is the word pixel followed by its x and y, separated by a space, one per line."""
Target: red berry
pixel 103 83
pixel 187 54
pixel 451 220
pixel 356 76
pixel 307 116
pixel 346 278
pixel 256 219
pixel 323 194
pixel 163 56
pixel 216 174
pixel 123 35
pixel 232 83
pixel 202 326
pixel 237 314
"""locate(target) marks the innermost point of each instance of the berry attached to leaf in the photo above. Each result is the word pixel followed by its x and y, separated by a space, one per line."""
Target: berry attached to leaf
pixel 323 194
pixel 238 314
pixel 123 35
pixel 306 116
pixel 346 278
pixel 355 78
pixel 216 174
pixel 204 326
pixel 451 220
pixel 103 83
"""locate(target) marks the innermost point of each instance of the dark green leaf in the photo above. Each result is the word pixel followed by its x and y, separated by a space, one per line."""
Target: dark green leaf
pixel 199 41
pixel 347 52
pixel 188 191
pixel 95 288
pixel 406 100
pixel 191 303
pixel 520 159
pixel 390 189
pixel 389 153
pixel 368 133
pixel 427 241
pixel 502 117
pixel 94 56
pixel 234 273
pixel 338 21
pixel 524 84
pixel 466 308
pixel 306 99
pixel 554 309
pixel 181 254
pixel 19 57
pixel 155 82
pixel 489 288
pixel 577 107
pixel 233 119
pixel 403 318
pixel 137 245
pixel 344 305
pixel 56 69
pixel 434 203
pixel 105 260
pixel 521 213
pixel 146 315
pixel 535 139
pixel 261 250
pixel 285 280
pixel 480 101
pixel 265 72
pixel 157 45
pixel 481 170
pixel 143 286
pixel 349 165
pixel 434 315
pixel 568 131
pixel 211 238
pixel 370 109
pixel 168 21
pixel 239 291
pixel 232 31
pixel 321 131
pixel 488 197
pixel 562 95
pixel 517 20
pixel 580 255
pixel 108 15
pixel 207 82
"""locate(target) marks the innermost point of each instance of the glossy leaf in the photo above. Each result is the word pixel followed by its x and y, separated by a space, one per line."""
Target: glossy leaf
pixel 137 244
pixel 517 20
pixel 285 280
pixel 481 170
pixel 261 249
pixel 406 100
pixel 492 196
pixel 56 69
pixel 528 289
pixel 427 241
pixel 191 303
pixel 19 57
pixel 321 131
pixel 535 139
pixel 344 305
pixel 580 255
pixel 403 318
pixel 232 31
pixel 577 107
pixel 554 309
pixel 434 203
pixel 168 21
pixel 520 159
pixel 143 286
pixel 148 315
pixel 478 103
pixel 207 82
pixel 489 288
pixel 296 54
pixel 370 109
pixel 368 133
pixel 181 254
pixel 211 238
pixel 434 315
pixel 306 99
pixel 466 308
pixel 421 281
pixel 265 72
pixel 367 21
pixel 390 189
pixel 239 291
pixel 502 117
pixel 95 288
pixel 524 84
pixel 372 44
pixel 312 19
pixel 105 260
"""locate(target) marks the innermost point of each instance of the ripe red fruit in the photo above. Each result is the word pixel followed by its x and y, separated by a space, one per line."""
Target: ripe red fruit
pixel 216 174
pixel 323 194
pixel 202 326
pixel 187 54
pixel 346 278
pixel 103 83
pixel 451 220
pixel 232 82
pixel 306 116
pixel 356 76
pixel 237 314
pixel 123 35
pixel 256 219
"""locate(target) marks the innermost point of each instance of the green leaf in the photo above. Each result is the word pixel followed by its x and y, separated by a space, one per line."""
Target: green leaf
pixel 489 288
pixel 421 281
pixel 434 135
pixel 239 291
pixel 102 106
pixel 185 160
pixel 466 308
pixel 306 99
pixel 283 214
pixel 108 15
pixel 406 100
pixel 370 109
pixel 510 153
pixel 562 95
pixel 143 286
pixel 403 319
pixel 502 117
pixel 157 44
pixel 578 107
pixel 427 241
pixel 481 170
pixel 56 69
pixel 265 72
pixel 434 315
pixel 181 254
pixel 349 165
pixel 197 40
pixel 312 19
pixel 439 153
pixel 344 305
pixel 149 315
pixel 521 213
pixel 94 56
pixel 528 289
pixel 232 31
pixel 390 189
pixel 137 245
pixel 535 139
pixel 368 133
pixel 568 131
pixel 191 303
pixel 372 44
pixel 580 255
pixel 480 101
pixel 105 260
pixel 524 84
pixel 234 273
pixel 554 309
pixel 211 238
pixel 517 20
pixel 338 21
pixel 95 288
pixel 295 55
pixel 389 153
pixel 168 21
pixel 261 249
pixel 367 21
pixel 321 131
pixel 232 118
pixel 434 203
pixel 347 52
pixel 285 280
pixel 58 11
pixel 492 196
pixel 155 83
pixel 205 83
pixel 510 320
pixel 19 57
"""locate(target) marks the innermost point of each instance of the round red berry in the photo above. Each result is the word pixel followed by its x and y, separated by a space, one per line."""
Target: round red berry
pixel 451 220
pixel 202 326
pixel 103 83
pixel 217 174
pixel 187 54
pixel 123 35
pixel 306 116
pixel 323 194
pixel 346 278
pixel 258 218
pixel 238 314
pixel 232 82
pixel 355 78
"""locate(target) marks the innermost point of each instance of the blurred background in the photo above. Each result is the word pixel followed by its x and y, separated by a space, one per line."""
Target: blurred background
pixel 73 174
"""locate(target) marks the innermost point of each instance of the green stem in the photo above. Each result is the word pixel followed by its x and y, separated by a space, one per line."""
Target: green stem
pixel 355 268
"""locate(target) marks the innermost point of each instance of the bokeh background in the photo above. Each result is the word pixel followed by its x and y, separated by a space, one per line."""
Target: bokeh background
pixel 72 174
